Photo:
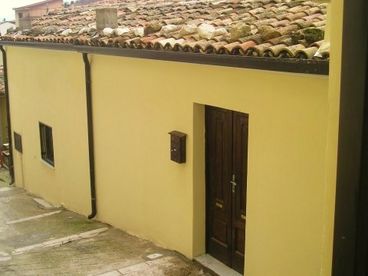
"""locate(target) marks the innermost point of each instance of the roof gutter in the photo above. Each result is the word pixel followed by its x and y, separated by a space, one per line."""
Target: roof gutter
pixel 8 118
pixel 91 150
pixel 290 65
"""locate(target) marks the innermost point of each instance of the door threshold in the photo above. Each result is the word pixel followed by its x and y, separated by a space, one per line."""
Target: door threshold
pixel 216 266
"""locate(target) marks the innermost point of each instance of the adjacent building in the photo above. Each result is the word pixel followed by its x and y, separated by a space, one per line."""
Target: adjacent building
pixel 3 111
pixel 4 130
pixel 5 27
pixel 208 127
pixel 35 10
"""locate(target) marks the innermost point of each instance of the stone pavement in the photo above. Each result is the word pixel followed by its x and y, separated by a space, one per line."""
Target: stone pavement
pixel 36 239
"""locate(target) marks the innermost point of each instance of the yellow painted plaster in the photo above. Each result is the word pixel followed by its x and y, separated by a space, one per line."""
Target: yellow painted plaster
pixel 336 30
pixel 48 87
pixel 136 103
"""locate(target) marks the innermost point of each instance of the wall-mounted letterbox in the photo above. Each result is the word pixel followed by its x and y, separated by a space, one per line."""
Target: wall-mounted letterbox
pixel 178 146
pixel 18 142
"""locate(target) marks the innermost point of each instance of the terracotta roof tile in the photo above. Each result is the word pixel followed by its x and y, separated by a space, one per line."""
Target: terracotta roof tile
pixel 306 53
pixel 265 28
pixel 291 50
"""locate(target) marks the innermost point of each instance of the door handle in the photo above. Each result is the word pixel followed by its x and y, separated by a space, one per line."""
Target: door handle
pixel 233 183
pixel 219 205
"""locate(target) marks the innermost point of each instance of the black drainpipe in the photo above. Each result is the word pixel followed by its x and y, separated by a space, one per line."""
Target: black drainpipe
pixel 11 163
pixel 87 70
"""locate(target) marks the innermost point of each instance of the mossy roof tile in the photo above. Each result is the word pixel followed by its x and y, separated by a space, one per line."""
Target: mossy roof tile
pixel 289 18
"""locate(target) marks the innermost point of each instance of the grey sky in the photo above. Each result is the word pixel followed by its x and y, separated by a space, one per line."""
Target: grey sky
pixel 6 7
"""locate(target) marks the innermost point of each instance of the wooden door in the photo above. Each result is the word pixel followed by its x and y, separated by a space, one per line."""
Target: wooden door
pixel 218 177
pixel 226 179
pixel 240 164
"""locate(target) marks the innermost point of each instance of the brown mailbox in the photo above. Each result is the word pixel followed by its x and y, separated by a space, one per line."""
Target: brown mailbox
pixel 18 142
pixel 178 146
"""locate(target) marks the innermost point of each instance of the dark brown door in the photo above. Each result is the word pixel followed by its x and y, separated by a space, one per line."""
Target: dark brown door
pixel 226 182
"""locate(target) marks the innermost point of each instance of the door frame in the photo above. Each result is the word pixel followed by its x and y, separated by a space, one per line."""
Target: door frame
pixel 351 182
pixel 199 181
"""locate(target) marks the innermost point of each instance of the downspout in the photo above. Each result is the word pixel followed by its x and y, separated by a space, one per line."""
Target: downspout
pixel 87 71
pixel 8 118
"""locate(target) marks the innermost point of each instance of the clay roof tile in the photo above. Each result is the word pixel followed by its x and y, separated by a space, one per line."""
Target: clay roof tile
pixel 76 26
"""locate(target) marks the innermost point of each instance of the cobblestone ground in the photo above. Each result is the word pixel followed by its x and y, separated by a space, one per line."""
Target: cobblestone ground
pixel 36 239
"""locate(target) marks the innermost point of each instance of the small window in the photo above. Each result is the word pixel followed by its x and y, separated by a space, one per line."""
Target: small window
pixel 18 142
pixel 20 15
pixel 47 145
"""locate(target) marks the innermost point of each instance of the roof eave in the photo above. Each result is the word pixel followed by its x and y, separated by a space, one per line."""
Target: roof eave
pixel 291 65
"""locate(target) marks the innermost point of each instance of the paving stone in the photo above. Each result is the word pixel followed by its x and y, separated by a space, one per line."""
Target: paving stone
pixel 69 244
pixel 154 256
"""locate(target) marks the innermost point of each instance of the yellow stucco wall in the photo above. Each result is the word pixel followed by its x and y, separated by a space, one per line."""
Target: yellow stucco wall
pixel 136 103
pixel 288 120
pixel 336 16
pixel 48 87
